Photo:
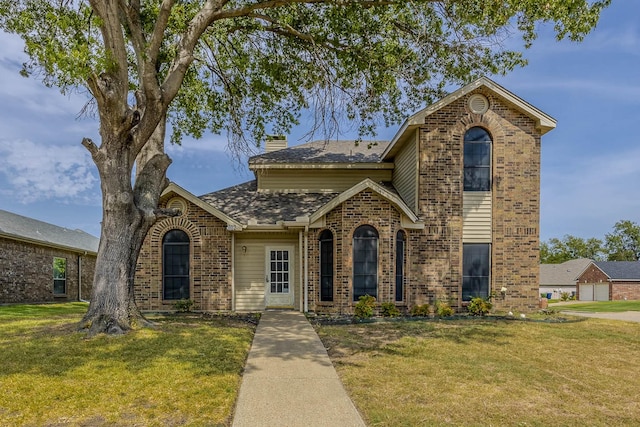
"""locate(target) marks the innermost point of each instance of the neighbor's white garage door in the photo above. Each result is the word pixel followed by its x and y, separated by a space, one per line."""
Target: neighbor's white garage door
pixel 594 292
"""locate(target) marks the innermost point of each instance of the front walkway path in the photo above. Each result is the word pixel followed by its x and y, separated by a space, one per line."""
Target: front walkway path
pixel 289 379
pixel 629 316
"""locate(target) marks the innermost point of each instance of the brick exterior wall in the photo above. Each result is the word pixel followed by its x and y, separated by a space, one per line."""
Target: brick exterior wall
pixel 618 290
pixel 364 208
pixel 28 273
pixel 515 203
pixel 209 263
pixel 625 291
pixel 593 275
pixel 433 263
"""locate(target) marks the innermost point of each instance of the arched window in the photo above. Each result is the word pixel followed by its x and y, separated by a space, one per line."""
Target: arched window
pixel 326 266
pixel 477 160
pixel 175 265
pixel 401 239
pixel 365 262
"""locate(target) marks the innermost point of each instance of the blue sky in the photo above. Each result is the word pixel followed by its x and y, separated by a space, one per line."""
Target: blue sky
pixel 590 162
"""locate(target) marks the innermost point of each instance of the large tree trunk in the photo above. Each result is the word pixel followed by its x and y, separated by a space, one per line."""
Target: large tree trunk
pixel 128 214
pixel 112 308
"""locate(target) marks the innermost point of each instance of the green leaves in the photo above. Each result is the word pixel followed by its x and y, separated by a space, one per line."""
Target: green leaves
pixel 352 62
pixel 622 244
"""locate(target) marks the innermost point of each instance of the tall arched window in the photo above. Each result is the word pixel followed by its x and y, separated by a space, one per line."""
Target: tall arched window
pixel 365 262
pixel 401 239
pixel 326 266
pixel 175 265
pixel 477 160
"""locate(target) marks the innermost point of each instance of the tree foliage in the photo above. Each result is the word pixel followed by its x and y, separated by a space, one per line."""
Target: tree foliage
pixel 557 251
pixel 622 244
pixel 245 68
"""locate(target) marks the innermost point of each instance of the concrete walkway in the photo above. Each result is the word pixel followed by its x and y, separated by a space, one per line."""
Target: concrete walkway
pixel 289 379
pixel 629 316
pixel 565 307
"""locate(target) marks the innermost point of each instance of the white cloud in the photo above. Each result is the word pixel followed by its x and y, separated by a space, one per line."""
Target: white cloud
pixel 47 172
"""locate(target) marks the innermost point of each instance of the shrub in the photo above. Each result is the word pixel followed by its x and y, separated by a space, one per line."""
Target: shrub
pixel 389 309
pixel 443 309
pixel 364 307
pixel 565 296
pixel 183 305
pixel 479 306
pixel 420 310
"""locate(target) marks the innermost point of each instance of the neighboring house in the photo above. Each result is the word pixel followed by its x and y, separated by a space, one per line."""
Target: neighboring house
pixel 559 278
pixel 446 210
pixel 43 262
pixel 610 281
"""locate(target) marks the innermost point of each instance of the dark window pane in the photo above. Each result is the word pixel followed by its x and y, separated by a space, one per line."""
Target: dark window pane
pixel 175 265
pixel 59 287
pixel 365 262
pixel 400 243
pixel 477 160
pixel 475 270
pixel 326 266
pixel 477 134
pixel 176 236
pixel 59 276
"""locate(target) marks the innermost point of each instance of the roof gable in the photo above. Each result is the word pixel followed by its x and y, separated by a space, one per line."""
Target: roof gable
pixel 565 273
pixel 176 189
pixel 393 198
pixel 543 121
pixel 620 270
pixel 28 229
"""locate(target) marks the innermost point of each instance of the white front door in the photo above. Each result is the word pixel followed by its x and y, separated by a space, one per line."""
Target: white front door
pixel 279 276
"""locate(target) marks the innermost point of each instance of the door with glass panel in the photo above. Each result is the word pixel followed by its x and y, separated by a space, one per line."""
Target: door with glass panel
pixel 279 276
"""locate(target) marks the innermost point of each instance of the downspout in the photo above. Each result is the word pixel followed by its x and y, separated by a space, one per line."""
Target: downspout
pixel 80 278
pixel 233 271
pixel 306 269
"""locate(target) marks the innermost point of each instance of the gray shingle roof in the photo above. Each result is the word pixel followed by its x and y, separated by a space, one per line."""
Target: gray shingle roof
pixel 325 152
pixel 620 270
pixel 21 227
pixel 562 274
pixel 243 202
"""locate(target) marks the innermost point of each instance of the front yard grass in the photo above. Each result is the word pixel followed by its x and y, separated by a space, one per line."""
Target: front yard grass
pixel 481 372
pixel 602 306
pixel 184 372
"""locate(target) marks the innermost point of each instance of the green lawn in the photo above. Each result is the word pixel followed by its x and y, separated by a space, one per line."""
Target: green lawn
pixel 484 372
pixel 602 306
pixel 184 372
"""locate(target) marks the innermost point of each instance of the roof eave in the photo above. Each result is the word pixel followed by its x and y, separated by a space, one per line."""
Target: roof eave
pixel 48 244
pixel 344 165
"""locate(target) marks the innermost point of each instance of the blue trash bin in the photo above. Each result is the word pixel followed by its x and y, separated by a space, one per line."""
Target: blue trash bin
pixel 549 294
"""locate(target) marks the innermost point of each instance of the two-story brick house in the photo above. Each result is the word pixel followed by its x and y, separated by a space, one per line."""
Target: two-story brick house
pixel 446 210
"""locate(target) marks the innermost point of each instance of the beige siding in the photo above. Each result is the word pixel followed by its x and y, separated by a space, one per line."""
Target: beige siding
pixel 250 268
pixel 476 212
pixel 405 174
pixel 317 180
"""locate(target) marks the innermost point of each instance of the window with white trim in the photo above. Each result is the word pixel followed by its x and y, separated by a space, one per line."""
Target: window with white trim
pixel 59 276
